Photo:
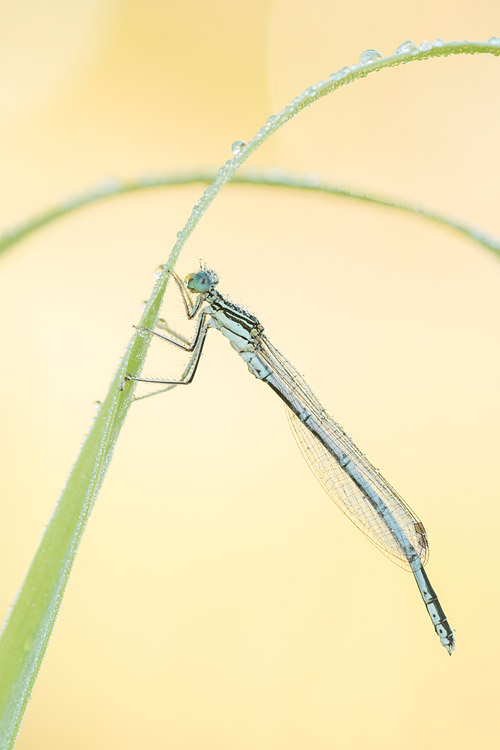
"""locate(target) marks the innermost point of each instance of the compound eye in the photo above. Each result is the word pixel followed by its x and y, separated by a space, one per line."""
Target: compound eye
pixel 198 282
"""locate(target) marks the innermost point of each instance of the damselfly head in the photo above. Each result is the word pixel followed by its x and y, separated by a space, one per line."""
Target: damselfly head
pixel 201 282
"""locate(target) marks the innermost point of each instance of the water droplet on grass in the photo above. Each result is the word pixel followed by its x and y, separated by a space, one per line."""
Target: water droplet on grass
pixel 494 40
pixel 425 46
pixel 238 147
pixel 407 46
pixel 369 56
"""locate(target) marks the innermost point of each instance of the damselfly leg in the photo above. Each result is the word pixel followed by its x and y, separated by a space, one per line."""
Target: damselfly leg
pixel 191 307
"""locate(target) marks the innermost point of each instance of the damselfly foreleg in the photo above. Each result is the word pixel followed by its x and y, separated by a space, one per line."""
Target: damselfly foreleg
pixel 191 307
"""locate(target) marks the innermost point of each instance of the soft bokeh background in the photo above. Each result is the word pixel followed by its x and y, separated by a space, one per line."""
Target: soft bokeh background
pixel 219 599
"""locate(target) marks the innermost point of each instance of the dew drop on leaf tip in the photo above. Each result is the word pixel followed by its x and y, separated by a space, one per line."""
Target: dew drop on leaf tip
pixel 369 56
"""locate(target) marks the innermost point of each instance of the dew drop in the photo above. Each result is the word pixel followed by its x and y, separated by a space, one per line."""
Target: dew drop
pixel 425 46
pixel 238 147
pixel 343 72
pixel 96 405
pixel 369 56
pixel 494 40
pixel 158 270
pixel 407 46
pixel 335 76
pixel 438 42
pixel 271 119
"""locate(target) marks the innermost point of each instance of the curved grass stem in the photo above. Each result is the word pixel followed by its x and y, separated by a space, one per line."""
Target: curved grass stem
pixel 258 177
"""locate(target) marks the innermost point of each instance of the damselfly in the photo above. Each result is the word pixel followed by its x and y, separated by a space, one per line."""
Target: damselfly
pixel 359 489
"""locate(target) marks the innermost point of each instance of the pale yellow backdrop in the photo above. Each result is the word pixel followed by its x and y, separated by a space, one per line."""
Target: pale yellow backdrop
pixel 219 600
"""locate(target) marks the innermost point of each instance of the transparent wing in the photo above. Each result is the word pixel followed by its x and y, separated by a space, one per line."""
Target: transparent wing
pixel 337 483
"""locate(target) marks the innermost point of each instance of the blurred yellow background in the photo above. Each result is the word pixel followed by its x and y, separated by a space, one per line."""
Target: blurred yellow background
pixel 219 599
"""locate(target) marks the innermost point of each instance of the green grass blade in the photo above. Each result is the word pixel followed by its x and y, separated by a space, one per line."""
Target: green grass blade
pixel 27 631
